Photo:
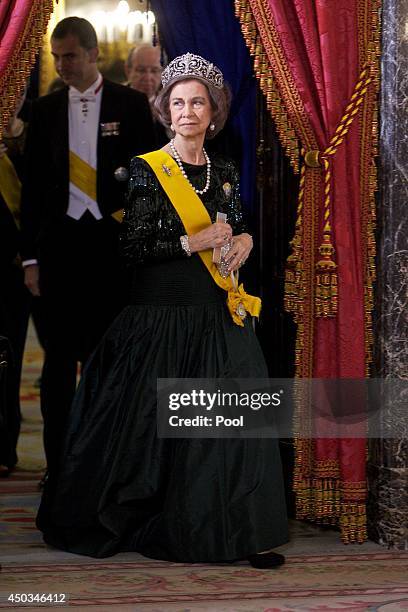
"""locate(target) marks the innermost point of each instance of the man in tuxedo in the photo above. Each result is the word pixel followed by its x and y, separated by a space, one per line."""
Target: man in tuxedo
pixel 79 145
pixel 143 71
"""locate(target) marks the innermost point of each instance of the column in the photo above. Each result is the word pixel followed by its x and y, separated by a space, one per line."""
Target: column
pixel 388 465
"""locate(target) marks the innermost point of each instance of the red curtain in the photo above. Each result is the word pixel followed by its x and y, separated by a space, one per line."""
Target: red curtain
pixel 22 26
pixel 317 63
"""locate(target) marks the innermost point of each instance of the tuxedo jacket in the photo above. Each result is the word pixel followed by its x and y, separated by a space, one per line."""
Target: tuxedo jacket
pixel 45 192
pixel 9 244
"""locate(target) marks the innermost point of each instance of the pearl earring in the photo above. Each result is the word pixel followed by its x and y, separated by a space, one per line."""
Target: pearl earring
pixel 212 127
pixel 172 128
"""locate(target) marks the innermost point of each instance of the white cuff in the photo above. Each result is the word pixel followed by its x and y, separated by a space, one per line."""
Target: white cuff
pixel 30 262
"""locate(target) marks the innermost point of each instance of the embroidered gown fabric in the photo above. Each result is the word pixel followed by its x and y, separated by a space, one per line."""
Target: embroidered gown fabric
pixel 119 487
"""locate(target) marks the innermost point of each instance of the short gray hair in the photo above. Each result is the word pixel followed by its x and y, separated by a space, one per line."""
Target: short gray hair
pixel 130 57
pixel 138 48
pixel 220 99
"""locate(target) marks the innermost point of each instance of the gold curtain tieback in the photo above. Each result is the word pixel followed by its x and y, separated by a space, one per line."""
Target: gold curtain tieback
pixel 312 159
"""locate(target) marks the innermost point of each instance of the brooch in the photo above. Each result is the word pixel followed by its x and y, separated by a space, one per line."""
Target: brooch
pixel 166 169
pixel 241 312
pixel 121 174
pixel 227 189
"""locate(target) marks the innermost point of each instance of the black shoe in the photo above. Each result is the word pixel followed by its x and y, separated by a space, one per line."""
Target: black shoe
pixel 43 480
pixel 266 560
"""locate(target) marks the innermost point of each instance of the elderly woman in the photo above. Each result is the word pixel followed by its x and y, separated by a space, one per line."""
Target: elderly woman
pixel 120 487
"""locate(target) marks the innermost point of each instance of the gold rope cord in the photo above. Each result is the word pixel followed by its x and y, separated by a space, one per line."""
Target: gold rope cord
pixel 326 268
pixel 326 275
pixel 14 79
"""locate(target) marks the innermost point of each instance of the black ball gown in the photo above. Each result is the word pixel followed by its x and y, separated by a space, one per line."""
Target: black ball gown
pixel 119 487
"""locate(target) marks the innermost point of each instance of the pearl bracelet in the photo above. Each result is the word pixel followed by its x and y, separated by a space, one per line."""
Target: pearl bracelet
pixel 185 245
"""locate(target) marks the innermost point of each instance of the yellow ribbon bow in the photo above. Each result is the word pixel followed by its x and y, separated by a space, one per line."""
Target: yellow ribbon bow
pixel 239 303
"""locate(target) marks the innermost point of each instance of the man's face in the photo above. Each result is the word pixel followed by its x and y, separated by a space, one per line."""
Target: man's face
pixel 74 64
pixel 145 70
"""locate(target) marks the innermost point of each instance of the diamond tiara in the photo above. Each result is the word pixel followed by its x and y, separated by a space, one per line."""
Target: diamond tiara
pixel 193 66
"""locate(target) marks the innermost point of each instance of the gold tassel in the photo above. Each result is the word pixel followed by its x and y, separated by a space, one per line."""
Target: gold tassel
pixel 326 280
pixel 353 523
pixel 320 500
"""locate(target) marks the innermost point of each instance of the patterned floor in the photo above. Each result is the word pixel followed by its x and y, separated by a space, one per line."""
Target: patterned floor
pixel 320 574
pixel 351 582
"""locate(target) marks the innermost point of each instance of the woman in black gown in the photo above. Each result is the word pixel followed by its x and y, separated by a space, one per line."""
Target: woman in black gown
pixel 119 486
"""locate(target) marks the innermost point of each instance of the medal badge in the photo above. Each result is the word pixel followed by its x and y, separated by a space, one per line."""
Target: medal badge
pixel 121 174
pixel 227 189
pixel 110 129
pixel 241 312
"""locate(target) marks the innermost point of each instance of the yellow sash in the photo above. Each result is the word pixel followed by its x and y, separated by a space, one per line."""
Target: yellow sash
pixel 83 176
pixel 10 186
pixel 195 218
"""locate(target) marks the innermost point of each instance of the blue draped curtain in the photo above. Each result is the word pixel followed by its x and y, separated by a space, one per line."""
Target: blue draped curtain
pixel 209 28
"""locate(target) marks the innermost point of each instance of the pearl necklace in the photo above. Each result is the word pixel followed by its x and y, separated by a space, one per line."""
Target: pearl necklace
pixel 183 172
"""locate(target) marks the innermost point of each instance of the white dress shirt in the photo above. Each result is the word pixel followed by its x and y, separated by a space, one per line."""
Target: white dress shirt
pixel 83 118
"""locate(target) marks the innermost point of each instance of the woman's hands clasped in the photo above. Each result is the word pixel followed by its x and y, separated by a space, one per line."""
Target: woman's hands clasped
pixel 218 235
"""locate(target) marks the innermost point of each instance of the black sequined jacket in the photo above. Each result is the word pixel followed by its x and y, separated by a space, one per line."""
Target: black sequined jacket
pixel 151 229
